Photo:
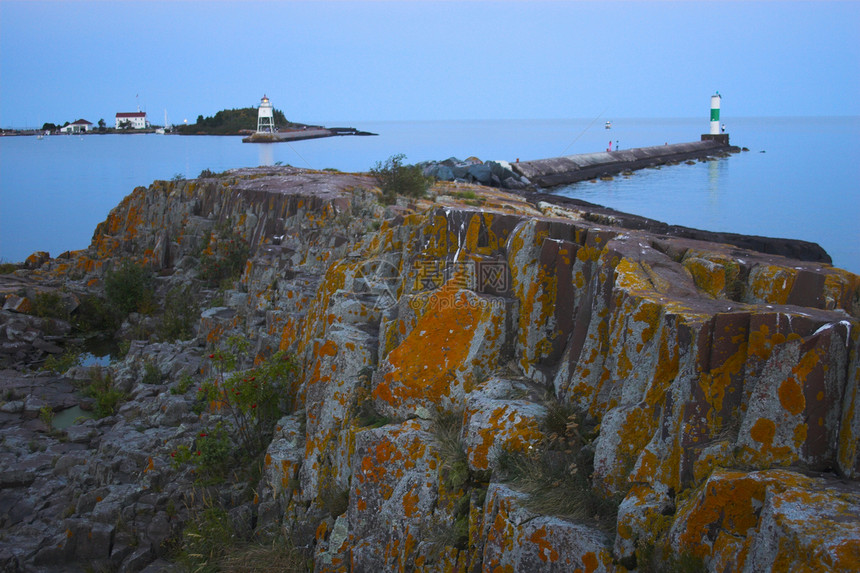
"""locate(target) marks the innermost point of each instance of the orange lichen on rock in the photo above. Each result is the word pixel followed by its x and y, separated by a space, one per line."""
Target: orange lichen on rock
pixel 433 357
pixel 773 520
pixel 512 426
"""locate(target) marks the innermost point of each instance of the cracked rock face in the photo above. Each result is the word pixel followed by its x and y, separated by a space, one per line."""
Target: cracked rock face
pixel 707 390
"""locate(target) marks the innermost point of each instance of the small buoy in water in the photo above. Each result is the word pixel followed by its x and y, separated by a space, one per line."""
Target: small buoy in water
pixel 762 151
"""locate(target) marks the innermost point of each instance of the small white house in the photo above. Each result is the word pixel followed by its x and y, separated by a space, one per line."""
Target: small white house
pixel 80 126
pixel 137 119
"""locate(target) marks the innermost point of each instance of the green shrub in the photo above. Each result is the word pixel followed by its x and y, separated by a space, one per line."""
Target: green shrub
pixel 59 364
pixel 224 256
pixel 49 305
pixel 129 288
pixel 46 416
pixel 95 315
pixel 185 382
pixel 101 389
pixel 447 427
pixel 558 485
pixel 8 268
pixel 180 314
pixel 395 179
pixel 210 455
pixel 253 400
pixel 151 374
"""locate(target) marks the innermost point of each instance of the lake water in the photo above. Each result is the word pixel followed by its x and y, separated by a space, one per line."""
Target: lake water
pixel 800 179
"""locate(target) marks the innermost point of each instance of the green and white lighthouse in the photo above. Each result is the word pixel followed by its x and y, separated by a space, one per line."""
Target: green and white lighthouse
pixel 715 114
pixel 717 132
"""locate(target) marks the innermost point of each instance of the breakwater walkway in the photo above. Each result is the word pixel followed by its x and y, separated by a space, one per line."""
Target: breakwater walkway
pixel 300 134
pixel 572 168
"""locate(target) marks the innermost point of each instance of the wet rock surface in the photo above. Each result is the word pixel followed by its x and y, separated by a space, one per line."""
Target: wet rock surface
pixel 457 359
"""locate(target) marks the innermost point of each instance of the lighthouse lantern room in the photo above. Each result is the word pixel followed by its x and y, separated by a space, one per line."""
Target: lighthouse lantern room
pixel 265 117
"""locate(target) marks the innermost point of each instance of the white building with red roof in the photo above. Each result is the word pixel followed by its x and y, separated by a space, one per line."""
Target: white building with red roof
pixel 79 126
pixel 136 119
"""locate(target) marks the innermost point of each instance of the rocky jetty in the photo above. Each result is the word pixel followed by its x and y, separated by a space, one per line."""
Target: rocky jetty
pixel 477 381
pixel 553 172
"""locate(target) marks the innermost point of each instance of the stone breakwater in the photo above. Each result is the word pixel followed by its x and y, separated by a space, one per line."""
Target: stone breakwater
pixel 555 171
pixel 709 392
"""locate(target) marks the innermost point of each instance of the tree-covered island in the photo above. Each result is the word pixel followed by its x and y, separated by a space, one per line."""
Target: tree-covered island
pixel 233 122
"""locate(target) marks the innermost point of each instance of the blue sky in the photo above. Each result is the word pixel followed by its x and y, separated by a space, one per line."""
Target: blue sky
pixel 348 61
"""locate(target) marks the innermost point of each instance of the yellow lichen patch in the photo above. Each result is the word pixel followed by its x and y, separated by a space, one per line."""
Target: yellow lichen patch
pixel 800 432
pixel 771 284
pixel 716 383
pixel 665 372
pixel 648 313
pixel 629 275
pixel 848 439
pixel 537 296
pixel 762 343
pixel 791 396
pixel 707 276
pixel 763 431
pixel 841 289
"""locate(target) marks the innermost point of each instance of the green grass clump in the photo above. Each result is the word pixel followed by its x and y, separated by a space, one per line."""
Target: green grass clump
pixel 557 474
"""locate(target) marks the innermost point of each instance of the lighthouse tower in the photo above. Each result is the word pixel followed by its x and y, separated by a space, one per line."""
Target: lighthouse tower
pixel 715 113
pixel 716 132
pixel 265 117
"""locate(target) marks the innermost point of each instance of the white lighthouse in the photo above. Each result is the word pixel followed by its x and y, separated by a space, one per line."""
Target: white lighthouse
pixel 265 117
pixel 715 114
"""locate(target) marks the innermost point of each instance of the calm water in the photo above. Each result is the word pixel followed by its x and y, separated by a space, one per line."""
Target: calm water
pixel 54 191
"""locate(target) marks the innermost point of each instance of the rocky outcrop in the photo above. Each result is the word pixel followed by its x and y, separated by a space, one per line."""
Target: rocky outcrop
pixel 686 401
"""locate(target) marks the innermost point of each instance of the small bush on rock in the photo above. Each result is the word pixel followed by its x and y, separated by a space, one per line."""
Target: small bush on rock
pixel 397 179
pixel 95 315
pixel 49 305
pixel 107 396
pixel 210 455
pixel 151 374
pixel 129 288
pixel 61 363
pixel 253 400
pixel 180 314
pixel 223 256
pixel 250 402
